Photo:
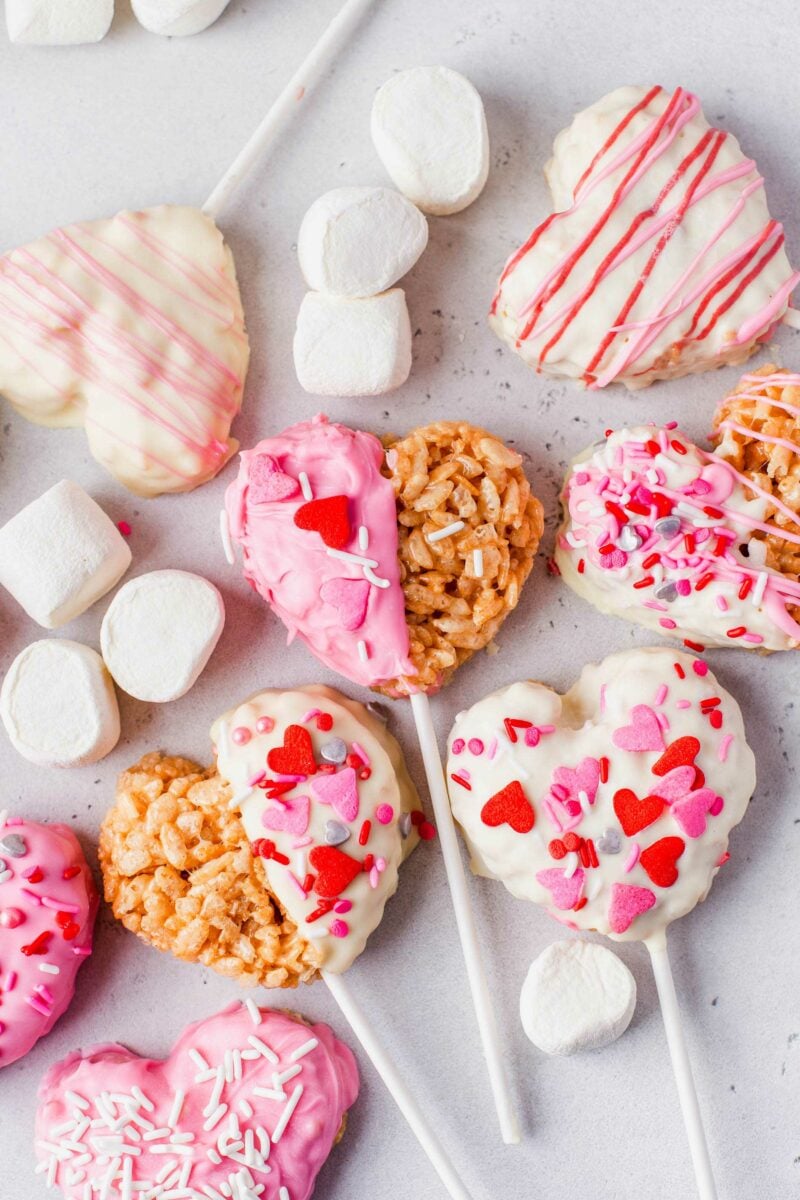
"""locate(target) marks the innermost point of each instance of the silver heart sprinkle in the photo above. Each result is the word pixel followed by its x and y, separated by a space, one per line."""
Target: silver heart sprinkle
pixel 668 527
pixel 334 751
pixel 14 845
pixel 609 843
pixel 667 592
pixel 335 833
pixel 404 825
pixel 628 539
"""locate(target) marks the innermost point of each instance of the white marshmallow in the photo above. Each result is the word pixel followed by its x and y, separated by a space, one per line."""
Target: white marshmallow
pixel 358 241
pixel 58 22
pixel 576 996
pixel 178 18
pixel 58 704
pixel 352 347
pixel 429 128
pixel 61 553
pixel 159 632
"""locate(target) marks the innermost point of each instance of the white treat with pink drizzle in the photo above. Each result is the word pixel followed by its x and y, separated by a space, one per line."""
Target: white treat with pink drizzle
pixel 132 327
pixel 327 802
pixel 660 258
pixel 665 534
pixel 610 805
pixel 248 1104
pixel 48 905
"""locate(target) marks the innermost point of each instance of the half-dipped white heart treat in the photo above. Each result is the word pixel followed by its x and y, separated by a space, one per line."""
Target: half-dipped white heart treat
pixel 660 257
pixel 610 805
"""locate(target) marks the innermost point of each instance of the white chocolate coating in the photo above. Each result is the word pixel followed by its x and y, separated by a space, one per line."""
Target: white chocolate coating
pixel 346 820
pixel 660 258
pixel 618 720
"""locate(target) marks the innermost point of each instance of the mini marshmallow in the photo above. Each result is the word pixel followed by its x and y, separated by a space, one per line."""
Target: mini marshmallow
pixel 352 347
pixel 58 22
pixel 159 632
pixel 58 704
pixel 358 241
pixel 178 18
pixel 576 996
pixel 61 553
pixel 429 128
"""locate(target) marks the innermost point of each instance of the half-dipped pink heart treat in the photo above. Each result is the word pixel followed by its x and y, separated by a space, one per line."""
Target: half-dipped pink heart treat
pixel 48 905
pixel 670 536
pixel 660 258
pixel 248 1105
pixel 610 805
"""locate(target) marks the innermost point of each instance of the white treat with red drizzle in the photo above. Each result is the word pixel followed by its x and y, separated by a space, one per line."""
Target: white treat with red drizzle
pixel 610 805
pixel 660 258
pixel 663 533
pixel 327 802
pixel 48 905
pixel 248 1105
pixel 132 327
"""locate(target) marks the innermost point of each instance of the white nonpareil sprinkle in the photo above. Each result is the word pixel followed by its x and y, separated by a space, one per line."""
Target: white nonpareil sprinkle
pixel 286 1115
pixel 285 1076
pixel 253 1009
pixel 177 1108
pixel 263 1048
pixel 453 527
pixel 477 563
pixel 363 537
pixel 198 1060
pixel 225 534
pixel 305 486
pixel 306 1048
pixel 213 1120
pixel 363 652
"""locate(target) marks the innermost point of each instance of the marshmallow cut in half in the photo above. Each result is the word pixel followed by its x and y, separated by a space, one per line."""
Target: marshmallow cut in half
pixel 429 129
pixel 60 554
pixel 58 704
pixel 178 18
pixel 58 22
pixel 358 241
pixel 346 347
pixel 159 632
pixel 576 996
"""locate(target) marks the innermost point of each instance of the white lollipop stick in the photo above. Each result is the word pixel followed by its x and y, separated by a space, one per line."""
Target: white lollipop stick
pixel 481 1000
pixel 681 1067
pixel 419 1124
pixel 283 109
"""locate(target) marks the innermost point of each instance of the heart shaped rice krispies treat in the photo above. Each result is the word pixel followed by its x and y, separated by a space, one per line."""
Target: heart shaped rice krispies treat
pixel 133 328
pixel 632 782
pixel 249 1104
pixel 660 258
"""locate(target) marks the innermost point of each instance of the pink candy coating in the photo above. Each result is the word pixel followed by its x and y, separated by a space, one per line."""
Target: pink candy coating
pixel 265 725
pixel 241 736
pixel 384 813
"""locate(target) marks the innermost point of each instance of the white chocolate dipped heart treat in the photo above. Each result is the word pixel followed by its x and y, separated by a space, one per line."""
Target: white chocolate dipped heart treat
pixel 133 328
pixel 685 542
pixel 660 257
pixel 612 805
pixel 327 803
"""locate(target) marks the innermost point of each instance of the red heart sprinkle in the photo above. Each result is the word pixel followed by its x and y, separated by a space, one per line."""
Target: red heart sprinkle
pixel 328 518
pixel 659 860
pixel 635 814
pixel 681 753
pixel 510 806
pixel 335 871
pixel 295 756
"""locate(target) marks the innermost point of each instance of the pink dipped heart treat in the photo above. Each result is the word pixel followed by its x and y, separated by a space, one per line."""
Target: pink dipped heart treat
pixel 249 1105
pixel 632 843
pixel 48 905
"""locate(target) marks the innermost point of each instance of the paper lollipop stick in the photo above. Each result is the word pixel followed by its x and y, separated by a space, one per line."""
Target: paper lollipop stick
pixel 284 107
pixel 681 1066
pixel 394 567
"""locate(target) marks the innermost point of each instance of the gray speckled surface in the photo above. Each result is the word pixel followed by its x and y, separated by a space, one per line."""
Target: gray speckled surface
pixel 137 120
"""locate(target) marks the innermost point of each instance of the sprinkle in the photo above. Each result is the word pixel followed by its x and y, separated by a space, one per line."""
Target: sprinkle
pixel 364 832
pixel 198 1059
pixel 759 589
pixel 305 486
pixel 283 1194
pixel 384 814
pixel 737 631
pixel 477 563
pixel 306 1048
pixel 667 622
pixel 225 534
pixel 253 1009
pixel 632 858
pixel 78 1100
pixel 50 968
pixel 286 1115
pixel 661 695
pixel 453 527
pixel 215 1118
pixel 363 537
pixel 363 652
pixel 604 767
pixel 724 746
pixel 462 781
pixel 263 1048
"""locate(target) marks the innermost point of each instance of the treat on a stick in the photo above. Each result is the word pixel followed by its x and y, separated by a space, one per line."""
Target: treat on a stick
pixel 133 328
pixel 395 566
pixel 694 545
pixel 249 1103
pixel 611 806
pixel 48 905
pixel 660 257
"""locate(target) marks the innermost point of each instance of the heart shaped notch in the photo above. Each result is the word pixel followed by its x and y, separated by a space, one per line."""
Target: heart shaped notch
pixel 630 279
pixel 610 855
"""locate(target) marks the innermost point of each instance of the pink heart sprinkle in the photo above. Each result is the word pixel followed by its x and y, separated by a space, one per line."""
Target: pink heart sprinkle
pixel 266 481
pixel 583 778
pixel 340 791
pixel 675 784
pixel 349 597
pixel 627 903
pixel 643 733
pixel 690 813
pixel 291 817
pixel 565 892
